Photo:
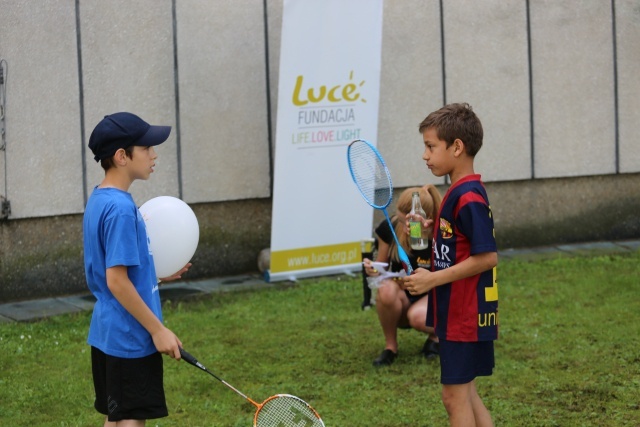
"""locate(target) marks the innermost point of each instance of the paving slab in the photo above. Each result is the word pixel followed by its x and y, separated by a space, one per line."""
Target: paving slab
pixel 534 254
pixel 593 248
pixel 176 292
pixel 632 245
pixel 37 309
pixel 83 302
pixel 242 282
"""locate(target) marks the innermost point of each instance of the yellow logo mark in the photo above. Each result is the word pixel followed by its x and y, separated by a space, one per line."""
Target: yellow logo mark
pixel 445 229
pixel 347 92
pixel 488 319
pixel 491 294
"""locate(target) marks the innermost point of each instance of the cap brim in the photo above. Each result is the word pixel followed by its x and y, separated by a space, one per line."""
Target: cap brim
pixel 156 135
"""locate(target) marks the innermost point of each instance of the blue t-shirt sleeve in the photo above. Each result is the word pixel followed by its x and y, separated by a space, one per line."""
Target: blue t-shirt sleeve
pixel 121 239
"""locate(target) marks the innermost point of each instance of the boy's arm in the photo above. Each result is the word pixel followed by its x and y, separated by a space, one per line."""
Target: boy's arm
pixel 166 342
pixel 423 280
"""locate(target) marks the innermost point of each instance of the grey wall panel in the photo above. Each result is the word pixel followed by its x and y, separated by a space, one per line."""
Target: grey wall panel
pixel 44 165
pixel 628 52
pixel 487 66
pixel 127 54
pixel 274 24
pixel 223 106
pixel 410 86
pixel 2 180
pixel 573 88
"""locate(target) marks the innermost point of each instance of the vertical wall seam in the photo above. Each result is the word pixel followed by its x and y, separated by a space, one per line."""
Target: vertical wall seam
pixel 531 113
pixel 268 95
pixel 615 86
pixel 442 55
pixel 83 149
pixel 444 68
pixel 176 90
pixel 4 77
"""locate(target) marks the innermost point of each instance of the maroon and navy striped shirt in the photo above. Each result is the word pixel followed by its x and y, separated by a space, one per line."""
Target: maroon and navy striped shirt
pixel 467 309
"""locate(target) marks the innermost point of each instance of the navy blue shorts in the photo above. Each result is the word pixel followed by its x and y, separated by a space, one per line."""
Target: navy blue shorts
pixel 128 389
pixel 413 298
pixel 461 362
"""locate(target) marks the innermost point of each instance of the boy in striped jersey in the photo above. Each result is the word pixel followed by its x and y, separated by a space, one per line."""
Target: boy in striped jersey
pixel 462 282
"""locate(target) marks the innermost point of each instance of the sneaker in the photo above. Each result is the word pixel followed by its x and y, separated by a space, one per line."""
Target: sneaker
pixel 386 358
pixel 431 349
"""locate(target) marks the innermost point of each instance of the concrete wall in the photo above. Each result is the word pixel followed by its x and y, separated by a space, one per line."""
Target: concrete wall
pixel 555 84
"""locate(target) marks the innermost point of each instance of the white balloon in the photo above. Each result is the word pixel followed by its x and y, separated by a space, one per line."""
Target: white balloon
pixel 173 233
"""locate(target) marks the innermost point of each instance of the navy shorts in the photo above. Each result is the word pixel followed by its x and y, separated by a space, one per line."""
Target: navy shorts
pixel 461 362
pixel 128 389
pixel 413 298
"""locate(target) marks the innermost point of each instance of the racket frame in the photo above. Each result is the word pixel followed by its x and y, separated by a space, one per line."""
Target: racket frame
pixel 402 254
pixel 187 357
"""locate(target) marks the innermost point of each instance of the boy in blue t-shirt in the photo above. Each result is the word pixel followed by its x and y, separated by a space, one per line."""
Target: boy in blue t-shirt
pixel 462 282
pixel 126 335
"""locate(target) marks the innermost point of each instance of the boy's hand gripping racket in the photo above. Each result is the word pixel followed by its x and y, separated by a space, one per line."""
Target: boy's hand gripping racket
pixel 373 179
pixel 280 410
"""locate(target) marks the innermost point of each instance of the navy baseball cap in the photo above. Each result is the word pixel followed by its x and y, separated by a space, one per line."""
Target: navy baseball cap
pixel 122 130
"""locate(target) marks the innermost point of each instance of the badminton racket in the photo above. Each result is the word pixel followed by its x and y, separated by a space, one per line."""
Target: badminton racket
pixel 280 410
pixel 372 177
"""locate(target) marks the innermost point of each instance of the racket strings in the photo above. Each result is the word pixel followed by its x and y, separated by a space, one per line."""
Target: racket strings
pixel 286 411
pixel 370 174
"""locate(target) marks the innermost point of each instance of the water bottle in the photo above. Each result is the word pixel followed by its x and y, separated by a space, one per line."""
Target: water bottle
pixel 419 238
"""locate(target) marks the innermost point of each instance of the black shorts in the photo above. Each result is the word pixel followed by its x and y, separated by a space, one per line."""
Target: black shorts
pixel 128 389
pixel 461 362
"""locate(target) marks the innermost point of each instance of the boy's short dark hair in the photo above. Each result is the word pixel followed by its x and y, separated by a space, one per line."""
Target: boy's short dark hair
pixel 107 163
pixel 456 121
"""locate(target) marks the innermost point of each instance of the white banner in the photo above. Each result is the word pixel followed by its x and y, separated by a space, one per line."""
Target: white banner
pixel 328 96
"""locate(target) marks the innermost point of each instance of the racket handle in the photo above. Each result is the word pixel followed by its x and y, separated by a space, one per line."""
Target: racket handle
pixel 193 361
pixel 404 260
pixel 189 358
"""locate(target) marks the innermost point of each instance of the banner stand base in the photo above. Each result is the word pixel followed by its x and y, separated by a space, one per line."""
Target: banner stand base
pixel 294 276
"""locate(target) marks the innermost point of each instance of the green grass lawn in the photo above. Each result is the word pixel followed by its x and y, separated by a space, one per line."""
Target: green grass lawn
pixel 568 355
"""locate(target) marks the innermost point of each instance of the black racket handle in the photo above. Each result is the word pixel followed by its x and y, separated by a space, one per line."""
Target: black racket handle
pixel 187 357
pixel 190 359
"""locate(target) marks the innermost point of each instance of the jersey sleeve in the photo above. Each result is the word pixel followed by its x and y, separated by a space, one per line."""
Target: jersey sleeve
pixel 475 221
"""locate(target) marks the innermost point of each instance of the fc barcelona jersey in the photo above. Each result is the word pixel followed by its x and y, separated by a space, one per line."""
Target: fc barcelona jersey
pixel 467 309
